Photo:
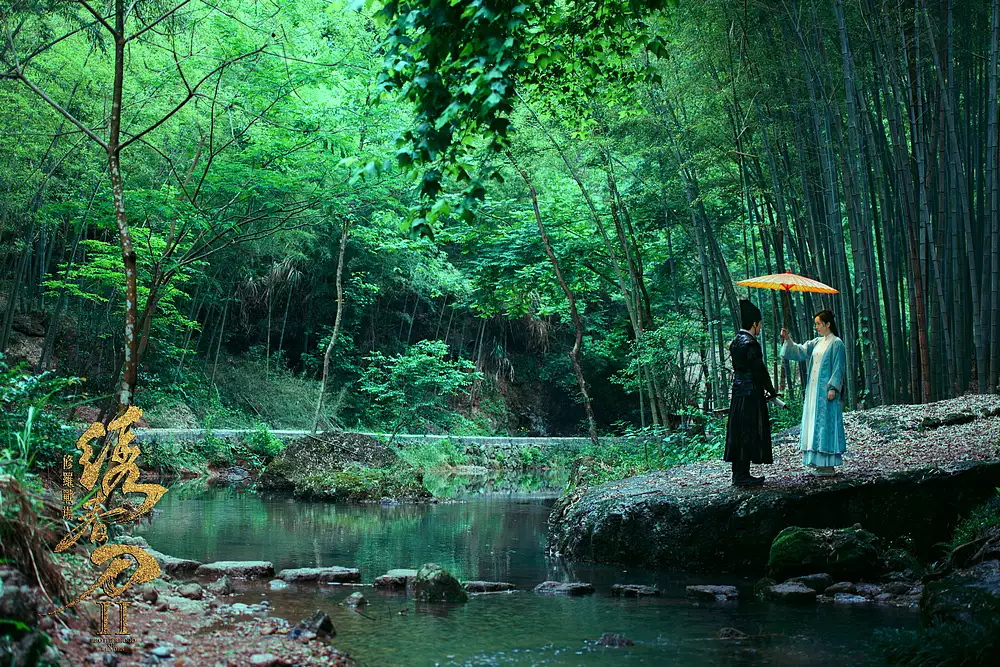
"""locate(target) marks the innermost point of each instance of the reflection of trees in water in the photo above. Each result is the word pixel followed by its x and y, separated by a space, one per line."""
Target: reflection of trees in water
pixel 445 485
pixel 483 538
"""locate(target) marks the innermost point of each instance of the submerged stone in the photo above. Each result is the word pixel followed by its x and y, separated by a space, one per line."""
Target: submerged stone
pixel 614 640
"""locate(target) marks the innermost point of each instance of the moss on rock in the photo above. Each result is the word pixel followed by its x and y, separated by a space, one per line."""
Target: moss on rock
pixel 435 584
pixel 848 552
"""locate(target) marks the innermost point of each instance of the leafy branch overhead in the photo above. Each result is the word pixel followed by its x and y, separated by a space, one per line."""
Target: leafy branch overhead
pixel 459 62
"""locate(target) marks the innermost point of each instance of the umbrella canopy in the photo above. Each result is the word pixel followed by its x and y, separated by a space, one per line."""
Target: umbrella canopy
pixel 788 282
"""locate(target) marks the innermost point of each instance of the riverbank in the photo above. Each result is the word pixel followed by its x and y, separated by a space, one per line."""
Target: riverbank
pixel 910 471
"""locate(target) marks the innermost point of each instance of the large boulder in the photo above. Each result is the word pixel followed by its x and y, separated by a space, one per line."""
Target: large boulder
pixel 906 476
pixel 433 583
pixel 847 552
pixel 323 455
pixel 969 595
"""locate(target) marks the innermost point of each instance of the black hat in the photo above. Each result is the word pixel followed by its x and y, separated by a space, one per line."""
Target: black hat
pixel 749 314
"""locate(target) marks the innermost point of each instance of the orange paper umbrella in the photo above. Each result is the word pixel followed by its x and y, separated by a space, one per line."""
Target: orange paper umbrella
pixel 789 282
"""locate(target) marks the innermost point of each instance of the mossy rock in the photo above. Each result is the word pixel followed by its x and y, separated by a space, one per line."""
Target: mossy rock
pixel 324 455
pixel 849 553
pixel 435 584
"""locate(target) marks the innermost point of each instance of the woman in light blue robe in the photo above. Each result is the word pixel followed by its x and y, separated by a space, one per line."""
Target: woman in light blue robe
pixel 821 439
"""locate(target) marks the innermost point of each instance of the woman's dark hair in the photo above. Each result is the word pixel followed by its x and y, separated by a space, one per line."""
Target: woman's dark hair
pixel 828 317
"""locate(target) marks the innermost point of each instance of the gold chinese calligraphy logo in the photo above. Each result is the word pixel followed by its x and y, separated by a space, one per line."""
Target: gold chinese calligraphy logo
pixel 99 510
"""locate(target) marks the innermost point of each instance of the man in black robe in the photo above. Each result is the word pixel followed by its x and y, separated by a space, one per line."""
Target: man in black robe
pixel 748 433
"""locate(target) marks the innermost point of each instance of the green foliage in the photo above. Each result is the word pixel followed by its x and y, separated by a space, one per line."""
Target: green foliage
pixel 413 389
pixel 458 62
pixel 785 418
pixel 530 457
pixel 263 442
pixel 652 448
pixel 981 521
pixel 30 406
pixel 356 484
pixel 432 454
pixel 670 353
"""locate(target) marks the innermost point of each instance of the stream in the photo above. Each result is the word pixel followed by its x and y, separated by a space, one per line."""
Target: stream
pixel 495 530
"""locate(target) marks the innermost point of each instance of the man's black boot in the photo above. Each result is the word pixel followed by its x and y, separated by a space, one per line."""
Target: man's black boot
pixel 742 477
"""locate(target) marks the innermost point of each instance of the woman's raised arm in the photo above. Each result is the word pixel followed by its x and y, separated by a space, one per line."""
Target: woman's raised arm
pixel 793 351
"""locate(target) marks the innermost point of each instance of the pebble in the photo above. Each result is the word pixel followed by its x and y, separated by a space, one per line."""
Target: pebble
pixel 264 660
pixel 161 652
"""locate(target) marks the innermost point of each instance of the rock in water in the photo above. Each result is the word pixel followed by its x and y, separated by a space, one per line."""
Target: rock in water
pixel 398 578
pixel 791 593
pixel 223 586
pixel 848 552
pixel 616 641
pixel 171 565
pixel 319 624
pixel 719 593
pixel 634 591
pixel 817 582
pixel 840 587
pixel 356 600
pixel 868 590
pixel 488 586
pixel 191 591
pixel 333 574
pixel 241 569
pixel 558 588
pixel 433 583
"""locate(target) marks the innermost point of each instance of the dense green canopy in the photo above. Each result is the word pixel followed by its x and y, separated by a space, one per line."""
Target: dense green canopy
pixel 283 171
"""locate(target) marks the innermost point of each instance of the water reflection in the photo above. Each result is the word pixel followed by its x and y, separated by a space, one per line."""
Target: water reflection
pixel 493 535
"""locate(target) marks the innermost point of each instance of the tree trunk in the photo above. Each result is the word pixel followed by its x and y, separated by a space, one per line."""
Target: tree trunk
pixel 336 323
pixel 577 324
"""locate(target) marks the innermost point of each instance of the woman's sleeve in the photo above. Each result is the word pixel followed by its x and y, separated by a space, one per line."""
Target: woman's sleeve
pixel 794 351
pixel 837 373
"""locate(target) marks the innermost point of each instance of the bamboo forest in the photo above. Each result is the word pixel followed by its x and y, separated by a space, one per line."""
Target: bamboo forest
pixel 499 332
